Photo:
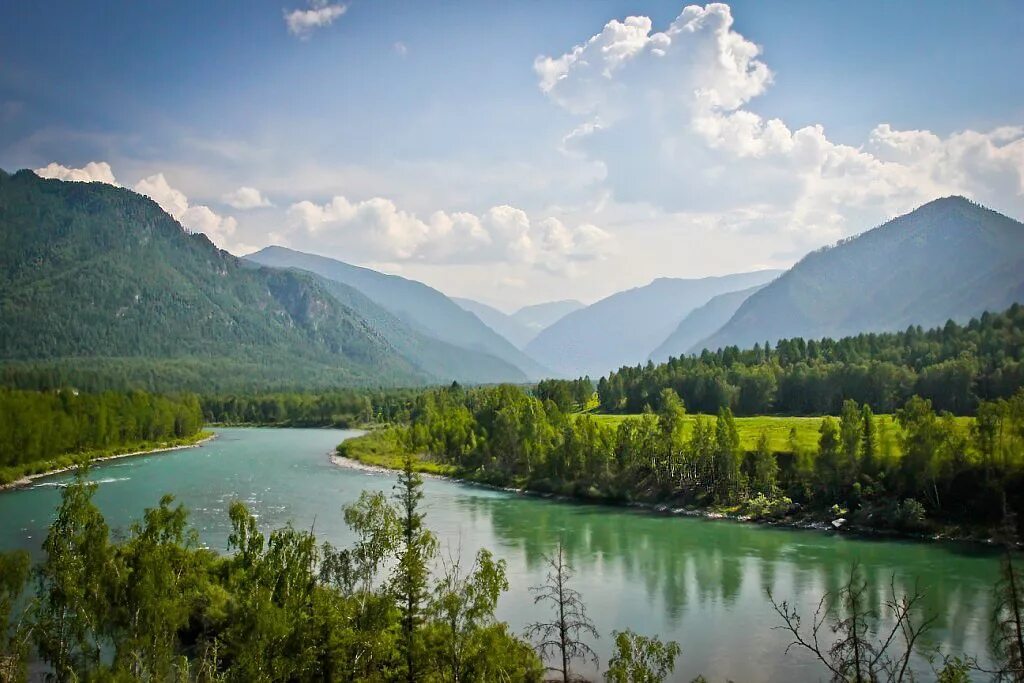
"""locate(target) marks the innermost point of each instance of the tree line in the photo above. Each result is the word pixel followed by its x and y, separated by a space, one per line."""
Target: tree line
pixel 955 366
pixel 37 426
pixel 339 408
pixel 892 472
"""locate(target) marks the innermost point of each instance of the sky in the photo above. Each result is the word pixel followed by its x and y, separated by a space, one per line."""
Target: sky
pixel 516 153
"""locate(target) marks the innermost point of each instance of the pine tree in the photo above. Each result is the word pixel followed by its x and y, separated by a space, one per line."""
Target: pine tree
pixel 410 582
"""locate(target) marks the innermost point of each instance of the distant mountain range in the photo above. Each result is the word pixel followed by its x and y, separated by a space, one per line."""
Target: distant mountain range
pixel 421 307
pixel 99 287
pixel 701 323
pixel 950 259
pixel 526 323
pixel 623 329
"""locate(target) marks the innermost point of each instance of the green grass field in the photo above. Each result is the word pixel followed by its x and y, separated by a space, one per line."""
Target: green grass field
pixel 778 428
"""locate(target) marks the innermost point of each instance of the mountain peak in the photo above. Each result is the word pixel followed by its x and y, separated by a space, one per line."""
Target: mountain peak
pixel 948 259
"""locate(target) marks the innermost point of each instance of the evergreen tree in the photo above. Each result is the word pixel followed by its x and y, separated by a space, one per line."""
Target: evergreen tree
pixel 410 581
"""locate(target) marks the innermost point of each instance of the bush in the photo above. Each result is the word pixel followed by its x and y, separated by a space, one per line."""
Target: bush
pixel 763 507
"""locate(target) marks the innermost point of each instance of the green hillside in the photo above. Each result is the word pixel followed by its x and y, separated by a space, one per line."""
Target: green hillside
pixel 950 259
pixel 421 307
pixel 97 279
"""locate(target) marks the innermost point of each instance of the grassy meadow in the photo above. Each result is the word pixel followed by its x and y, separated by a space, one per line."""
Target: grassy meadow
pixel 778 430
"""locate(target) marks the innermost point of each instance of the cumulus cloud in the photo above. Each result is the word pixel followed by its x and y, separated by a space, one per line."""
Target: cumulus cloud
pixel 302 22
pixel 197 218
pixel 377 230
pixel 665 115
pixel 92 172
pixel 246 198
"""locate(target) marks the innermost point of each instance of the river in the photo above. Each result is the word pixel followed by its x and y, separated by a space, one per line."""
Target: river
pixel 697 581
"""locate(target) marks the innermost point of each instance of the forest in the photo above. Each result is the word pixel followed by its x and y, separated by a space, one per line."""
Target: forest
pixel 43 430
pixel 955 367
pixel 927 468
pixel 339 408
pixel 154 605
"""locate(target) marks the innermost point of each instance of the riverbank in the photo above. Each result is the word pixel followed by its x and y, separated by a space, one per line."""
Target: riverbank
pixel 381 451
pixel 13 478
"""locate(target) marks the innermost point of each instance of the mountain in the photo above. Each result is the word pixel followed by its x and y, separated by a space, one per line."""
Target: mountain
pixel 523 325
pixel 421 307
pixel 436 359
pixel 947 260
pixel 97 279
pixel 539 317
pixel 623 328
pixel 701 323
pixel 499 321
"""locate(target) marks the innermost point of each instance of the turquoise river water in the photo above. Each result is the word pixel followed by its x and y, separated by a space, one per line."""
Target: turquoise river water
pixel 700 582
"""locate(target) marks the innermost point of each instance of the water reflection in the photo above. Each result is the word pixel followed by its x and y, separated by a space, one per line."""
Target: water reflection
pixel 690 565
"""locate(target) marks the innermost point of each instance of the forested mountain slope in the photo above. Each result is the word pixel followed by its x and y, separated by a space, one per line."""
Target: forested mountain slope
pixel 947 260
pixel 423 308
pixel 623 328
pixel 103 276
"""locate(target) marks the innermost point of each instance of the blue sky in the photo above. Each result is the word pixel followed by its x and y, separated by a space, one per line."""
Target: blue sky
pixel 421 139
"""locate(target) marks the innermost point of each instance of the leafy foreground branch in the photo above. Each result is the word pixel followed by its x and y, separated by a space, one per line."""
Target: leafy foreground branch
pixel 156 606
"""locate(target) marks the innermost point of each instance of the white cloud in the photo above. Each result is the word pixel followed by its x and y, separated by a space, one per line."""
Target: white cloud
pixel 92 172
pixel 400 48
pixel 664 114
pixel 302 22
pixel 377 230
pixel 159 190
pixel 246 198
pixel 197 218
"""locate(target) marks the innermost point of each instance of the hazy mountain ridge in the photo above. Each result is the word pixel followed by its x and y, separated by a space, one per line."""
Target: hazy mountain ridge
pixel 423 308
pixel 436 359
pixel 700 323
pixel 949 259
pixel 623 328
pixel 92 271
pixel 526 323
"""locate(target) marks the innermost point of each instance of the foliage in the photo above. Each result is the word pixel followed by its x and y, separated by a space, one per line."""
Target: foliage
pixel 14 631
pixel 155 606
pixel 99 282
pixel 340 408
pixel 37 426
pixel 901 474
pixel 641 659
pixel 955 366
